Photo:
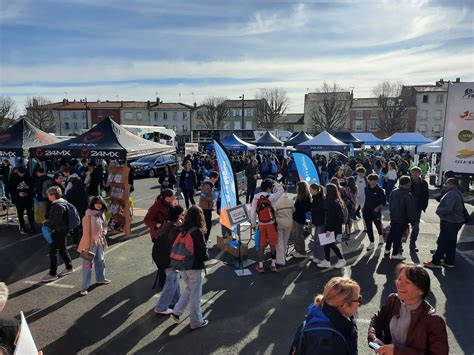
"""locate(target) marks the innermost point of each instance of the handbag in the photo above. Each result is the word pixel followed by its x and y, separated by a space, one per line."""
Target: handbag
pixel 87 255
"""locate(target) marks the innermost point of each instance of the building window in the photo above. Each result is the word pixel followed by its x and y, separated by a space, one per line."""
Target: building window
pixel 175 128
pixel 436 128
pixel 359 114
pixel 100 114
pixel 425 99
pixel 200 126
pixel 84 115
pixel 422 128
pixel 438 114
pixel 75 125
pixel 66 125
pixel 175 116
pixel 185 128
pixel 111 114
pixel 423 115
pixel 359 126
pixel 248 125
pixel 128 115
pixel 74 115
pixel 200 115
pixel 139 116
pixel 372 126
pixel 439 99
pixel 165 115
pixel 155 115
pixel 185 115
pixel 374 114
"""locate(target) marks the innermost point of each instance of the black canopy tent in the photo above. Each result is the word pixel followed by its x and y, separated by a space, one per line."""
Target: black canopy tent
pixel 298 138
pixel 268 140
pixel 348 138
pixel 19 138
pixel 107 140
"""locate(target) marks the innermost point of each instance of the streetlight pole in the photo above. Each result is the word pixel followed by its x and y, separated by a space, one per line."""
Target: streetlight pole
pixel 87 119
pixel 243 111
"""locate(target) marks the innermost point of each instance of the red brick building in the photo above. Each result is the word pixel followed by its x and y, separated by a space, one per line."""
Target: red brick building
pixel 366 115
pixel 100 110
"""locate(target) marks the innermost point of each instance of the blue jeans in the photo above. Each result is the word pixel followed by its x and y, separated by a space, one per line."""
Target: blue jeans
pixel 170 293
pixel 192 296
pixel 318 249
pixel 447 240
pixel 99 265
pixel 324 178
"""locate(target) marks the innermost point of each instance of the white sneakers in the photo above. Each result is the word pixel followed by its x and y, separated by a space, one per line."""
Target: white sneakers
pixel 298 255
pixel 314 260
pixel 371 246
pixel 165 312
pixel 340 264
pixel 327 265
pixel 324 264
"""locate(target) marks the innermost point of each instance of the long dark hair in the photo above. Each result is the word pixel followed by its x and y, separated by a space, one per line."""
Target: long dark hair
pixel 332 194
pixel 351 184
pixel 194 219
pixel 98 199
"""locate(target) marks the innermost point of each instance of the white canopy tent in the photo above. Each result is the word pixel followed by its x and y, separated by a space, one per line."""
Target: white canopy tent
pixel 433 147
pixel 323 142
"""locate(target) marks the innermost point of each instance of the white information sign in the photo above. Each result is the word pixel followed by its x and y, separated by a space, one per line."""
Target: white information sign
pixel 416 160
pixel 458 144
pixel 237 215
pixel 191 148
pixel 25 344
pixel 433 163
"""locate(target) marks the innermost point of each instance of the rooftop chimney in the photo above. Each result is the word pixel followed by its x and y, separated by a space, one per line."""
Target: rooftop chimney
pixel 64 101
pixel 157 100
pixel 121 103
pixel 458 80
pixel 195 104
pixel 148 104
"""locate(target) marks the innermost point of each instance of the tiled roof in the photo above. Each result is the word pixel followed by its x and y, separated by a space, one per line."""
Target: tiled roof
pixel 292 118
pixel 371 102
pixel 430 88
pixel 170 106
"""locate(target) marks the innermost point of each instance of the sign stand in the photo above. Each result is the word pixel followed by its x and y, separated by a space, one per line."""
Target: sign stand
pixel 237 216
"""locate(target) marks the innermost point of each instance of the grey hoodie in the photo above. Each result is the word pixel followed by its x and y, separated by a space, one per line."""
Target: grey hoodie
pixel 451 207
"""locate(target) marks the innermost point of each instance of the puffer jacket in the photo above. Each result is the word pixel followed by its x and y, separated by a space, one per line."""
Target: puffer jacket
pixel 403 207
pixel 157 213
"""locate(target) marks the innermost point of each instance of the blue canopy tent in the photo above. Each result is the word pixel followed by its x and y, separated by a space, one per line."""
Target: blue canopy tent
pixel 232 142
pixel 323 142
pixel 406 139
pixel 368 138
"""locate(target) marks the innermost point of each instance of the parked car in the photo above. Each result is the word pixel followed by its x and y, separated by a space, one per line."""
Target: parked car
pixel 152 166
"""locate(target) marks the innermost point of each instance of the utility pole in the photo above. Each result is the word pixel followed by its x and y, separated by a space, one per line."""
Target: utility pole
pixel 87 119
pixel 243 111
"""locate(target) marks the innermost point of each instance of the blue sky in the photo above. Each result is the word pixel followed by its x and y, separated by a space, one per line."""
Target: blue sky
pixel 109 49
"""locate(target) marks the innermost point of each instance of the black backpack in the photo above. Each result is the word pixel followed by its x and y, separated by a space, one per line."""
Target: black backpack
pixel 72 216
pixel 320 338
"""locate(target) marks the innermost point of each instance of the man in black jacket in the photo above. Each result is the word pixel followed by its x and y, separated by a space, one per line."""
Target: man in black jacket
pixel 419 190
pixel 22 192
pixel 374 200
pixel 402 212
pixel 5 172
pixel 57 222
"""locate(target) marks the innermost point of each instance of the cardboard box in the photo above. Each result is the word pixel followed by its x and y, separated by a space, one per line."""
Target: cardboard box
pixel 222 242
pixel 234 251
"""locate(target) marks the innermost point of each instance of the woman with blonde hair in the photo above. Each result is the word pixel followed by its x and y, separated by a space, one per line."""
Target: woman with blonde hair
pixel 303 204
pixel 329 326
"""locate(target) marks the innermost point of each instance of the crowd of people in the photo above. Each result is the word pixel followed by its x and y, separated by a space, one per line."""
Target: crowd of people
pixel 348 190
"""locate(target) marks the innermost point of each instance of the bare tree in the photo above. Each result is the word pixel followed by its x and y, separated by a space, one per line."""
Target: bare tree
pixel 39 113
pixel 329 112
pixel 8 112
pixel 270 105
pixel 394 103
pixel 216 112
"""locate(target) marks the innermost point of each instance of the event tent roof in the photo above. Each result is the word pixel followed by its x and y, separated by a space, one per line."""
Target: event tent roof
pixel 106 140
pixel 298 138
pixel 406 138
pixel 433 147
pixel 20 137
pixel 348 138
pixel 368 138
pixel 268 140
pixel 324 142
pixel 232 142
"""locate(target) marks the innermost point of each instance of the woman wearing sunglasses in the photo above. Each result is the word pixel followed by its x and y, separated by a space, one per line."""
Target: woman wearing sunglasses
pixel 329 326
pixel 407 323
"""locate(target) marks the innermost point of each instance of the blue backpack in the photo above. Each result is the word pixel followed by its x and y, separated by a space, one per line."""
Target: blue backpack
pixel 320 338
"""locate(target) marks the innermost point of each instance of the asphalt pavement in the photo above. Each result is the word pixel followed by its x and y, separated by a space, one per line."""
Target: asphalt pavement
pixel 257 314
